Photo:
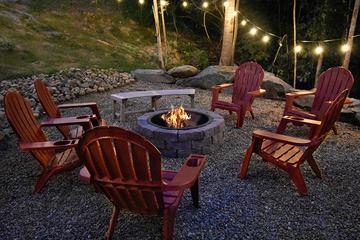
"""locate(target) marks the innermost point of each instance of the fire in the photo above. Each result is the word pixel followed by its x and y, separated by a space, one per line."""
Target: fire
pixel 176 117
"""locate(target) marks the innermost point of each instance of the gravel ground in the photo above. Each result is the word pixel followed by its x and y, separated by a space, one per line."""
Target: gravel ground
pixel 264 206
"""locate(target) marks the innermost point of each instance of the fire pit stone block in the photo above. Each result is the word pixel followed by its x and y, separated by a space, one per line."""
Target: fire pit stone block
pixel 182 142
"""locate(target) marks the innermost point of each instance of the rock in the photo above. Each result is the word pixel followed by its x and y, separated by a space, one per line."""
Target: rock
pixel 4 141
pixel 304 102
pixel 153 75
pixel 275 87
pixel 357 118
pixel 183 71
pixel 209 77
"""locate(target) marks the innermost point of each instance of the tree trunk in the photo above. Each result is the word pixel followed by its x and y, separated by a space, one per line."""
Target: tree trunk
pixel 164 31
pixel 158 34
pixel 318 68
pixel 236 26
pixel 295 53
pixel 351 34
pixel 228 35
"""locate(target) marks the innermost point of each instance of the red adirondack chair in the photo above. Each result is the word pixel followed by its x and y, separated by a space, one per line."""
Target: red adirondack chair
pixel 331 83
pixel 288 153
pixel 127 169
pixel 53 156
pixel 53 110
pixel 246 87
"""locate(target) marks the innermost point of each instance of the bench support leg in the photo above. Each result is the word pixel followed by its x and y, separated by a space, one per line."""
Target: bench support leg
pixel 115 108
pixel 192 100
pixel 155 102
pixel 123 110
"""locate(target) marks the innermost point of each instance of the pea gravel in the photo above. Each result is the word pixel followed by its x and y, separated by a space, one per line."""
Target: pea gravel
pixel 264 206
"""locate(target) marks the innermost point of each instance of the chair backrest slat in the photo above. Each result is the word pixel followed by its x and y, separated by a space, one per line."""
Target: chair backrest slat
pixel 25 125
pixel 331 83
pixel 125 166
pixel 49 106
pixel 248 77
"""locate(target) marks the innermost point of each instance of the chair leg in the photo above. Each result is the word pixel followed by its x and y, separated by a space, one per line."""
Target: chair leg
pixel 240 119
pixel 314 166
pixel 168 223
pixel 113 221
pixel 245 164
pixel 282 126
pixel 43 179
pixel 230 112
pixel 298 180
pixel 195 193
pixel 252 113
pixel 334 128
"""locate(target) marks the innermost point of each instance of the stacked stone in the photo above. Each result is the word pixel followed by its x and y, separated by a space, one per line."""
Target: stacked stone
pixel 64 85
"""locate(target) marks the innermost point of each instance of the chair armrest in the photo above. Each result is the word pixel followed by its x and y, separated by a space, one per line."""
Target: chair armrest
pixel 306 121
pixel 281 138
pixel 257 93
pixel 50 145
pixel 188 173
pixel 84 121
pixel 301 93
pixel 91 105
pixel 290 98
pixel 222 86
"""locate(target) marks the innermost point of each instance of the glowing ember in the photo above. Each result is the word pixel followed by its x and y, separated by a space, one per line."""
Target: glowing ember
pixel 176 117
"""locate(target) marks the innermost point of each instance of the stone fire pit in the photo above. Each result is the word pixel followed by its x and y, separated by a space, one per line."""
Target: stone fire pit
pixel 200 138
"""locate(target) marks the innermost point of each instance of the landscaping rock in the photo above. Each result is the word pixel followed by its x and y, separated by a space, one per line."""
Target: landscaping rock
pixel 153 75
pixel 209 77
pixel 183 71
pixel 275 87
pixel 304 102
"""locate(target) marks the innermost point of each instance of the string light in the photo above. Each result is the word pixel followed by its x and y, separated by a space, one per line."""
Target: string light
pixel 266 39
pixel 243 22
pixel 205 5
pixel 185 4
pixel 226 3
pixel 253 31
pixel 319 50
pixel 141 2
pixel 164 3
pixel 119 1
pixel 298 48
pixel 345 48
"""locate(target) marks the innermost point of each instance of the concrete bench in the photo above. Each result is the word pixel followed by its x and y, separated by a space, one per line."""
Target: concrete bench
pixel 154 94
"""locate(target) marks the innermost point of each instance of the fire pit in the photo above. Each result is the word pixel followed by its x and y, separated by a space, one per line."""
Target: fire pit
pixel 177 133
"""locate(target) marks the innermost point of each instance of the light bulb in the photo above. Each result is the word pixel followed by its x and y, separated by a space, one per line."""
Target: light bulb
pixel 345 48
pixel 298 48
pixel 243 22
pixel 319 50
pixel 253 31
pixel 141 2
pixel 185 4
pixel 226 4
pixel 266 39
pixel 205 5
pixel 164 3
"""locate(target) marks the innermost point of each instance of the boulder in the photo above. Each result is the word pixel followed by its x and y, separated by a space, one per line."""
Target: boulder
pixel 304 102
pixel 184 71
pixel 209 77
pixel 275 87
pixel 153 75
pixel 351 113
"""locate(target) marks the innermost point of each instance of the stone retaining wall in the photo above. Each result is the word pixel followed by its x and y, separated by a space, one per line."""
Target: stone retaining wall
pixel 64 85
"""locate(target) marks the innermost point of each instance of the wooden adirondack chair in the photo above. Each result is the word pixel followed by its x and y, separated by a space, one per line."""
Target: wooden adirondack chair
pixel 288 153
pixel 246 87
pixel 127 169
pixel 331 83
pixel 53 110
pixel 53 156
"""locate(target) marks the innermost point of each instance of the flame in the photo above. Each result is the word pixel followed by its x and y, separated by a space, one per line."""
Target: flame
pixel 176 117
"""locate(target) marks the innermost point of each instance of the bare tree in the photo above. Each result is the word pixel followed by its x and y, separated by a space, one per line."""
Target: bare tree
pixel 351 34
pixel 227 51
pixel 158 33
